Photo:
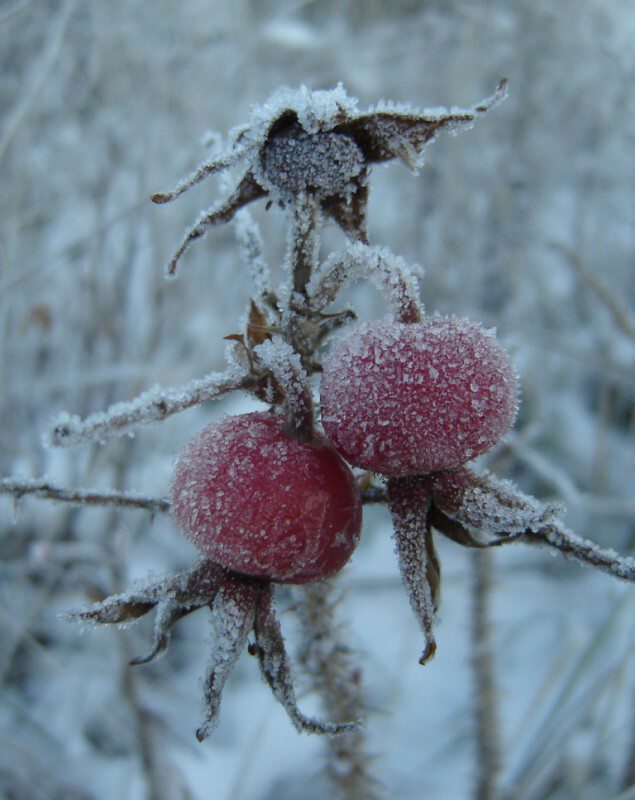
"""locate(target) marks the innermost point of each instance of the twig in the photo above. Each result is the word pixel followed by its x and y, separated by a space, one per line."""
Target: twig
pixel 487 736
pixel 331 666
pixel 44 490
pixel 151 406
pixel 583 550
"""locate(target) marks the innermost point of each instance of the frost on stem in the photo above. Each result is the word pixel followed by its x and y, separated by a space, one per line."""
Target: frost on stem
pixel 387 271
pixel 409 503
pixel 151 406
pixel 251 248
pixel 276 670
pixel 286 367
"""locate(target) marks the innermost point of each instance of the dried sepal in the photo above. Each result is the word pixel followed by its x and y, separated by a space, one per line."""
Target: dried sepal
pixel 232 620
pixel 409 502
pixel 246 192
pixel 174 595
pixel 318 144
pixel 168 613
pixel 258 329
pixel 274 663
pixel 485 505
pixel 493 507
pixel 388 132
pixel 210 167
pixel 350 212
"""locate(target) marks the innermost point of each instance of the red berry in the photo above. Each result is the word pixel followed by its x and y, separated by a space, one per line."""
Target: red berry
pixel 408 399
pixel 261 502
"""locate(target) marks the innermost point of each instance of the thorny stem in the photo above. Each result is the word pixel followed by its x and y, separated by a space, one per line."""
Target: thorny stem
pixel 487 736
pixel 333 672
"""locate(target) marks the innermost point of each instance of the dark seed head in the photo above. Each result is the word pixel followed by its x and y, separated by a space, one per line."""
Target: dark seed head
pixel 322 164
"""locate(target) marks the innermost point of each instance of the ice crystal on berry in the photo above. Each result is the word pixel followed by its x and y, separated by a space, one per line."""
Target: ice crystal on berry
pixel 406 399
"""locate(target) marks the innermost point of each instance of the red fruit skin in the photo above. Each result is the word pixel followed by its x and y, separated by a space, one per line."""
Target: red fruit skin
pixel 260 502
pixel 411 399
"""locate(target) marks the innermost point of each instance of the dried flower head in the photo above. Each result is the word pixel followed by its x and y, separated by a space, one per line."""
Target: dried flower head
pixel 320 145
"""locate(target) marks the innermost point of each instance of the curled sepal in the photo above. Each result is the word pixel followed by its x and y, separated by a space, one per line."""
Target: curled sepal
pixel 274 663
pixel 174 596
pixel 390 131
pixel 409 502
pixel 232 620
pixel 216 164
pixel 489 509
pixel 467 505
pixel 246 191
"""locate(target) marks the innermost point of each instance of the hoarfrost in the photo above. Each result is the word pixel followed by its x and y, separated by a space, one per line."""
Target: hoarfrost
pixel 276 670
pixel 232 620
pixel 152 406
pixel 387 271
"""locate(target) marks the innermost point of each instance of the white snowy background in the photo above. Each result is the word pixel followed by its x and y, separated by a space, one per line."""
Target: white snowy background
pixel 526 223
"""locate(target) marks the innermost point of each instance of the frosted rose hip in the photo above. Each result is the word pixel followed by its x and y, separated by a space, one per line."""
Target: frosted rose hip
pixel 260 502
pixel 407 399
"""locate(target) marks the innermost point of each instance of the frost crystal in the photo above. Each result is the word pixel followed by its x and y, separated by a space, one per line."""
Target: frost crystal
pixel 387 271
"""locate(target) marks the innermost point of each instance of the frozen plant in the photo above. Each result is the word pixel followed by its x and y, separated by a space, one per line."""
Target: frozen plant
pixel 265 497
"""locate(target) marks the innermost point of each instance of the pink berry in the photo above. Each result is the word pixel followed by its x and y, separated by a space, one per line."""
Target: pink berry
pixel 408 399
pixel 260 502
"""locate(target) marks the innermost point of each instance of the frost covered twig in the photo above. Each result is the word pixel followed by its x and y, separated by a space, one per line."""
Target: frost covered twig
pixel 387 271
pixel 251 248
pixel 286 368
pixel 329 663
pixel 151 406
pixel 487 738
pixel 18 487
pixel 609 561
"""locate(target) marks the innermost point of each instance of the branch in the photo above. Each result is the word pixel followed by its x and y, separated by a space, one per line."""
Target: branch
pixel 567 542
pixel 487 737
pixel 18 487
pixel 151 406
